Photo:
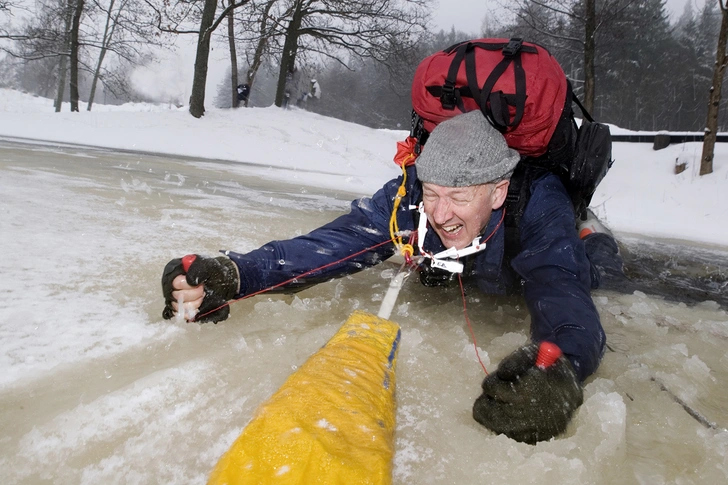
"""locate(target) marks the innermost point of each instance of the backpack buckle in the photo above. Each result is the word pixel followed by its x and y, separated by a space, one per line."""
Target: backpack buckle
pixel 513 47
pixel 447 97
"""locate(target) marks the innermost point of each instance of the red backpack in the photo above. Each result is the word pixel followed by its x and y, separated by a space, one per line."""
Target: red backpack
pixel 519 87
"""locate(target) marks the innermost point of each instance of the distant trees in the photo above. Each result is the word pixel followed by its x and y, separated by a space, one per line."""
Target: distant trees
pixel 627 60
pixel 122 28
pixel 651 75
pixel 374 93
pixel 76 37
pixel 44 41
pixel 576 30
pixel 6 13
pixel 347 29
pixel 636 67
pixel 329 28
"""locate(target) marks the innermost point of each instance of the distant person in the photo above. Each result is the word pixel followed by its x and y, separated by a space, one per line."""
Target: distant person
pixel 314 90
pixel 243 94
pixel 454 199
pixel 313 94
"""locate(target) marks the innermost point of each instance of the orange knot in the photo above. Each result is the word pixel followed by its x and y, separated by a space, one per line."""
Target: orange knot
pixel 406 154
pixel 407 251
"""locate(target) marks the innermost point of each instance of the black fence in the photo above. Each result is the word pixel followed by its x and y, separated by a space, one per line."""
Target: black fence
pixel 662 140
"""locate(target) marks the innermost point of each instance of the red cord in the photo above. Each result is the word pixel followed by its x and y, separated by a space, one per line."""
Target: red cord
pixel 472 333
pixel 465 307
pixel 295 278
pixel 462 290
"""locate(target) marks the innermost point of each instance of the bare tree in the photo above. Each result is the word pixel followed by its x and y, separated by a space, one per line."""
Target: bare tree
pixel 332 28
pixel 233 56
pixel 337 29
pixel 112 18
pixel 128 34
pixel 266 29
pixel 69 33
pixel 46 38
pixel 63 61
pixel 290 49
pixel 711 125
pixel 75 45
pixel 199 80
pixel 208 24
pixel 6 31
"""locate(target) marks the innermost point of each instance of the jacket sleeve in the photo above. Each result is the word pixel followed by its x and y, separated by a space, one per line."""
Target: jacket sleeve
pixel 556 273
pixel 298 263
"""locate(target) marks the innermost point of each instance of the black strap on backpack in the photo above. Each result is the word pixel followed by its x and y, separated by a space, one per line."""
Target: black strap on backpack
pixel 494 105
pixel 519 193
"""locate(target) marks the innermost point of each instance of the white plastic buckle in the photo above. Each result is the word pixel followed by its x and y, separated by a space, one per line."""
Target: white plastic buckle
pixel 451 266
pixel 452 253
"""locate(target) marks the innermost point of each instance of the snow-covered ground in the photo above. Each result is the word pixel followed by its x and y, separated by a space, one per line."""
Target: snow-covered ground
pixel 641 193
pixel 96 387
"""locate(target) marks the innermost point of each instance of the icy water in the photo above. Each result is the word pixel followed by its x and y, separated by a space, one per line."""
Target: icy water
pixel 96 388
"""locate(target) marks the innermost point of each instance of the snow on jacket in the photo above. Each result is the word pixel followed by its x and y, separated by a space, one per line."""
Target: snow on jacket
pixel 552 268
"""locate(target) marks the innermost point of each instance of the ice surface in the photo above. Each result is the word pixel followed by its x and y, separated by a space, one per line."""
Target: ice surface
pixel 97 388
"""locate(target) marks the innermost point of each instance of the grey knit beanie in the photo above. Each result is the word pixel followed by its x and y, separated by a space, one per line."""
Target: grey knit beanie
pixel 465 150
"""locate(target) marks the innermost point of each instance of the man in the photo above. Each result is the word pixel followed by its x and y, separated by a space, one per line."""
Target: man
pixel 462 179
pixel 243 93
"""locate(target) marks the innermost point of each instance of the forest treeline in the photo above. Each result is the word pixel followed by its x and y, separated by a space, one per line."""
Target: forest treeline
pixel 636 67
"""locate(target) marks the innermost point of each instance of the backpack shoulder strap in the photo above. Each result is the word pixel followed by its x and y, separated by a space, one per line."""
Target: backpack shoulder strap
pixel 519 193
pixel 584 112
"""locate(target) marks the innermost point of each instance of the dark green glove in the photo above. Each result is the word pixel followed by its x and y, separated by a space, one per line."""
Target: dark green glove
pixel 528 403
pixel 219 275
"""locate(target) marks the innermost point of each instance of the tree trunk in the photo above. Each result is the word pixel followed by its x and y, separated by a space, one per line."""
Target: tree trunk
pixel 63 62
pixel 199 80
pixel 233 56
pixel 75 27
pixel 711 125
pixel 108 33
pixel 62 71
pixel 95 80
pixel 590 27
pixel 260 48
pixel 290 47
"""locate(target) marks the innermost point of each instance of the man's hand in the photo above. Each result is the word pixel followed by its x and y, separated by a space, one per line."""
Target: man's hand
pixel 205 284
pixel 527 402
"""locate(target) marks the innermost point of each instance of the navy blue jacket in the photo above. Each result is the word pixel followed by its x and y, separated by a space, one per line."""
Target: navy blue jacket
pixel 552 268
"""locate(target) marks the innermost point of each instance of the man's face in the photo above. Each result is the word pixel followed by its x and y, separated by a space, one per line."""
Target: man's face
pixel 459 214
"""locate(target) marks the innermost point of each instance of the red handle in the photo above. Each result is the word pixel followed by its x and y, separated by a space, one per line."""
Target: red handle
pixel 187 261
pixel 548 353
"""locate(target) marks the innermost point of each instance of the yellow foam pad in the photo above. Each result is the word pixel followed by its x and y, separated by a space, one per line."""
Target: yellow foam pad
pixel 331 422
